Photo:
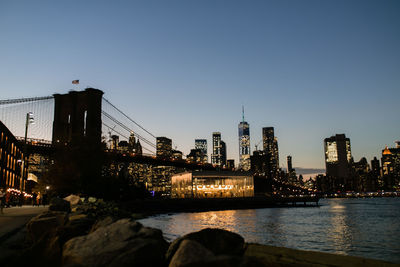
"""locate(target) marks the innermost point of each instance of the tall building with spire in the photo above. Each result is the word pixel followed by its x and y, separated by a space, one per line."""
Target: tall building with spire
pixel 244 144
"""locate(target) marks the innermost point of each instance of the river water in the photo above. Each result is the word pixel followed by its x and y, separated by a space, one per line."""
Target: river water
pixel 360 227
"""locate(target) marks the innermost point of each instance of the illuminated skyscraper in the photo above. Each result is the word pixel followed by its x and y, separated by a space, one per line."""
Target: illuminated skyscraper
pixel 270 147
pixel 216 156
pixel 201 144
pixel 164 147
pixel 337 159
pixel 244 144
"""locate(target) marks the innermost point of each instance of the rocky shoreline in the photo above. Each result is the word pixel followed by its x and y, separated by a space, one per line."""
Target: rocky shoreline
pixel 94 233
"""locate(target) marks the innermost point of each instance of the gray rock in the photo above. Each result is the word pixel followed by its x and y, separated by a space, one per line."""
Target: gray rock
pixel 44 223
pixel 101 223
pixel 119 243
pixel 218 241
pixel 59 204
pixel 190 252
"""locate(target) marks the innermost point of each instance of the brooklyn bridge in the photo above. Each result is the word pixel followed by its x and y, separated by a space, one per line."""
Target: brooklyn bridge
pixel 85 127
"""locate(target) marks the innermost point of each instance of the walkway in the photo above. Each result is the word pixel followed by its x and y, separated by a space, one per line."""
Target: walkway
pixel 15 218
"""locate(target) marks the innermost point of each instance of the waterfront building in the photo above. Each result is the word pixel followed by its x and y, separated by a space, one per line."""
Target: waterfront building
pixel 13 163
pixel 212 184
pixel 244 144
pixel 390 168
pixel 338 159
pixel 270 147
pixel 216 156
pixel 202 145
pixel 164 147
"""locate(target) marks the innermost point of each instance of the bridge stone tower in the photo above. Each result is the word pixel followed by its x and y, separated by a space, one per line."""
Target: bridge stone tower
pixel 77 119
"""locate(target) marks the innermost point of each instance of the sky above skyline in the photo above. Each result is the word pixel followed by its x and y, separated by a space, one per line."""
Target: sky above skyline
pixel 183 69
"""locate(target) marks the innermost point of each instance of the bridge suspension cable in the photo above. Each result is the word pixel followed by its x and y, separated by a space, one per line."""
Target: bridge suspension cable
pixel 129 118
pixel 127 129
pixel 23 100
pixel 120 134
pixel 13 114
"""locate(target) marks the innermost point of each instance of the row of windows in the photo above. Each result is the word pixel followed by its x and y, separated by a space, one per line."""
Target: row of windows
pixel 10 168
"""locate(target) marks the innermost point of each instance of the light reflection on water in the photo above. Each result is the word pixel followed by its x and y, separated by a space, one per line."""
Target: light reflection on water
pixel 360 227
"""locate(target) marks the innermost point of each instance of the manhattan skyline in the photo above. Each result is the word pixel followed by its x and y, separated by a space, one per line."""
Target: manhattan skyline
pixel 183 70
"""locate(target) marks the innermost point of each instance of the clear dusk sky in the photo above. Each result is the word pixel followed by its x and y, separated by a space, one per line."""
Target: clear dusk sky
pixel 183 69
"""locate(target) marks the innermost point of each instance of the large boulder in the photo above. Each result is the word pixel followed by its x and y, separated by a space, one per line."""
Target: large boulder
pixel 122 243
pixel 59 204
pixel 44 223
pixel 218 241
pixel 190 252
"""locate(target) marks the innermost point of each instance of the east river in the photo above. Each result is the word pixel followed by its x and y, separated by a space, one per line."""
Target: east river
pixel 367 227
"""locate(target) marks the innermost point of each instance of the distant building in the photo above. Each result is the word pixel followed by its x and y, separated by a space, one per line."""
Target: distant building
pixel 212 184
pixel 261 164
pixel 195 156
pixel 123 146
pixel 244 144
pixel 292 172
pixel 289 164
pixel 230 164
pixel 132 142
pixel 160 182
pixel 176 154
pixel 138 148
pixel 216 156
pixel 114 142
pixel 270 147
pixel 202 145
pixel 338 159
pixel 375 167
pixel 13 171
pixel 391 161
pixel 223 153
pixel 164 147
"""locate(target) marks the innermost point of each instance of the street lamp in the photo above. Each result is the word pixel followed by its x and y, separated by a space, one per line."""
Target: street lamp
pixel 29 120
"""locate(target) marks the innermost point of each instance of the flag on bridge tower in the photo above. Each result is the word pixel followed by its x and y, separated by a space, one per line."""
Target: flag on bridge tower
pixel 75 82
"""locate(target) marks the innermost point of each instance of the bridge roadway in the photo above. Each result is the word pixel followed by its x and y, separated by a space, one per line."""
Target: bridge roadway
pixel 46 148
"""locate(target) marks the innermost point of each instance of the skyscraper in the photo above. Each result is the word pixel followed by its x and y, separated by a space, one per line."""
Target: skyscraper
pixel 270 147
pixel 202 145
pixel 223 153
pixel 337 159
pixel 244 144
pixel 164 147
pixel 216 156
pixel 289 164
